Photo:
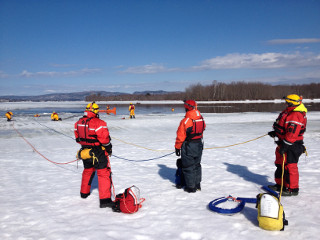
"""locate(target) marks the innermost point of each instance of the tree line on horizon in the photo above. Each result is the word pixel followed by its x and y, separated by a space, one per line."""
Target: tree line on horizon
pixel 218 91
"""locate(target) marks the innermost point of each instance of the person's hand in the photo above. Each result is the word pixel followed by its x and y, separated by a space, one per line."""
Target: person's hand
pixel 109 149
pixel 178 152
pixel 109 152
pixel 272 134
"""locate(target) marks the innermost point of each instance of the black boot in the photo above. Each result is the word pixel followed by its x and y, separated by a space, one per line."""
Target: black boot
pixel 84 195
pixel 275 187
pixel 290 192
pixel 107 202
pixel 190 190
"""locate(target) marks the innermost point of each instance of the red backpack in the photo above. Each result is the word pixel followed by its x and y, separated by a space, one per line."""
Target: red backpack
pixel 129 201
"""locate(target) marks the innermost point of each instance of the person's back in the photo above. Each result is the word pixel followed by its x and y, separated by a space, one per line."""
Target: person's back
pixel 93 135
pixel 289 128
pixel 189 145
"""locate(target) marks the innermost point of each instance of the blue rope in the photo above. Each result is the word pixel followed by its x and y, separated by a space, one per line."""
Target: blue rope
pixel 130 160
pixel 271 191
pixel 55 130
pixel 112 155
pixel 242 201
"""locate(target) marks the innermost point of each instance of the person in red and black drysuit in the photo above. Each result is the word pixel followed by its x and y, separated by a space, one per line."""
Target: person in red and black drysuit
pixel 93 134
pixel 189 145
pixel 289 129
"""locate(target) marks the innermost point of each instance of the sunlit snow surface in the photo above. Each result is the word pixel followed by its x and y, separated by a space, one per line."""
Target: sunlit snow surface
pixel 41 200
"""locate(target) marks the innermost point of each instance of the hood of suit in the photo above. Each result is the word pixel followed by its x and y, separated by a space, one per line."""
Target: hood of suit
pixel 193 114
pixel 300 108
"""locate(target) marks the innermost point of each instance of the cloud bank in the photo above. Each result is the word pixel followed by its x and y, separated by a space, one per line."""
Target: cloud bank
pixel 238 61
pixel 294 41
pixel 81 72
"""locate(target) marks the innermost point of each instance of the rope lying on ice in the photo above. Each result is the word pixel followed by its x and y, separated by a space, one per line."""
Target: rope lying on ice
pixel 37 150
pixel 251 140
pixel 145 159
pixel 155 150
pixel 126 159
pixel 163 150
pixel 54 130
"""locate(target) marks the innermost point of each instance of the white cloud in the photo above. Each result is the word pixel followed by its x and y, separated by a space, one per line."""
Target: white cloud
pixel 149 69
pixel 294 41
pixel 238 61
pixel 83 71
pixel 259 61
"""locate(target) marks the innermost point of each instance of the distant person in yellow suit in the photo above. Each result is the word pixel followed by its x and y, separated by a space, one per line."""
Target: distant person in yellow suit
pixel 55 116
pixel 131 110
pixel 9 116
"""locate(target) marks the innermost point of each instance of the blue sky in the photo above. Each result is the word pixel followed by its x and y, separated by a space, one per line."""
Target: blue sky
pixel 49 46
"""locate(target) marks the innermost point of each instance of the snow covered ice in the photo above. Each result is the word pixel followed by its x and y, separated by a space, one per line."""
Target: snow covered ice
pixel 41 200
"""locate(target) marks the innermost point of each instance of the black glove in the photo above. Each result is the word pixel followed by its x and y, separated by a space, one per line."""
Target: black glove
pixel 283 148
pixel 109 149
pixel 109 152
pixel 272 134
pixel 178 152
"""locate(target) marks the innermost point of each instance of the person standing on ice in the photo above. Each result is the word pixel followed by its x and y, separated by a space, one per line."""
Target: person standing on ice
pixel 289 129
pixel 96 148
pixel 189 145
pixel 131 110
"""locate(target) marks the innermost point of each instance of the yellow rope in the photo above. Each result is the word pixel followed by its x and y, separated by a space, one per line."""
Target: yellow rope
pixel 140 146
pixel 204 148
pixel 238 143
pixel 282 174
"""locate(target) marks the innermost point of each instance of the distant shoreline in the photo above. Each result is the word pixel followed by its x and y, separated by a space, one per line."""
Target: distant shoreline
pixel 157 101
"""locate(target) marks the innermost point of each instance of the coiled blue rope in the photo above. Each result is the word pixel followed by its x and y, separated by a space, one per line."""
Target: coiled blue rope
pixel 213 205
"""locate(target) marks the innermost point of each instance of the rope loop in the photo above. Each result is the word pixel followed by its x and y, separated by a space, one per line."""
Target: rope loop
pixel 213 205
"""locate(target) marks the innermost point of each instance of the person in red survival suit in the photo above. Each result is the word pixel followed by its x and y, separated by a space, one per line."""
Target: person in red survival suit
pixel 93 135
pixel 189 145
pixel 289 129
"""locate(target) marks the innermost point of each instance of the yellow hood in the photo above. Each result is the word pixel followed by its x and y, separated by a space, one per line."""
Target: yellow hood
pixel 301 108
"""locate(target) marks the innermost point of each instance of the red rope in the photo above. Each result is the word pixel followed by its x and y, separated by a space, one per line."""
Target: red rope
pixel 37 150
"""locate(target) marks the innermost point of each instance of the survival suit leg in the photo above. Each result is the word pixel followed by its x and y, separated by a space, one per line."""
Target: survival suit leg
pixel 191 163
pixel 87 177
pixel 104 183
pixel 293 176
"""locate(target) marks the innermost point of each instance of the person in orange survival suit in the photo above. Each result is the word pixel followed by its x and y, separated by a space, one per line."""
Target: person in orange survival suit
pixel 189 145
pixel 289 129
pixel 93 135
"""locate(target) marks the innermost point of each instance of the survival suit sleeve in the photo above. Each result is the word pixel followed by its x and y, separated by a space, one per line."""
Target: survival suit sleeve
pixel 181 133
pixel 102 132
pixel 76 131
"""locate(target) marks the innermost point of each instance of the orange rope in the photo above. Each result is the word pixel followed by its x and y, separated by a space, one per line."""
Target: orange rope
pixel 37 150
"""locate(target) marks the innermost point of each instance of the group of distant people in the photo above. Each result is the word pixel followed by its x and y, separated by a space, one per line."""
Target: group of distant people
pixel 54 116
